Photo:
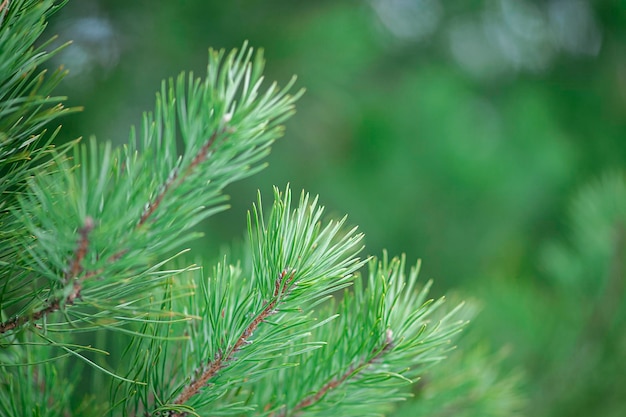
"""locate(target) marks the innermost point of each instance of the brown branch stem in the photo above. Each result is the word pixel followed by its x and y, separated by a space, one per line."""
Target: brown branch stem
pixel 72 274
pixel 281 287
pixel 76 265
pixel 335 382
pixel 174 180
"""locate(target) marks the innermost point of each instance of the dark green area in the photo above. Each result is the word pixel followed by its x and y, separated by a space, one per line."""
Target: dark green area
pixel 463 145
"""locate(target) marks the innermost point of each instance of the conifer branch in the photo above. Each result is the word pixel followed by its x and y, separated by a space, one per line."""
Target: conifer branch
pixel 282 287
pixel 174 180
pixel 71 276
pixel 352 372
pixel 124 195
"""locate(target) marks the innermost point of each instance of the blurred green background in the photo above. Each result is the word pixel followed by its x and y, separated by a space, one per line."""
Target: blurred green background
pixel 454 131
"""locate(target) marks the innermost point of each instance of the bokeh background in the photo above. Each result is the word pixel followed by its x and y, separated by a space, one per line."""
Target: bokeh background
pixel 454 131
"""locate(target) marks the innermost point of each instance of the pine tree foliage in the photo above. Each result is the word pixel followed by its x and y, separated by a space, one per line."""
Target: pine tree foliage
pixel 386 335
pixel 96 291
pixel 127 206
pixel 379 339
pixel 294 263
pixel 26 108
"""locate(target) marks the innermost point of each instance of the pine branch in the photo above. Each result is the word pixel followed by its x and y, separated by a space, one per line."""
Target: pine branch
pixel 71 279
pixel 352 372
pixel 249 320
pixel 26 104
pixel 142 215
pixel 381 342
pixel 281 289
pixel 175 180
pixel 27 109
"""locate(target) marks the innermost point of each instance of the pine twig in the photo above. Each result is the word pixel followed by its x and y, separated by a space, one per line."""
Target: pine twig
pixel 334 383
pixel 171 183
pixel 282 287
pixel 74 270
pixel 76 263
pixel 174 180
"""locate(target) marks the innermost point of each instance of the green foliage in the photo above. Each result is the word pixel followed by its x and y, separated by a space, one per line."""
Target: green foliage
pixel 37 389
pixel 133 205
pixel 294 262
pixel 27 107
pixel 89 275
pixel 385 335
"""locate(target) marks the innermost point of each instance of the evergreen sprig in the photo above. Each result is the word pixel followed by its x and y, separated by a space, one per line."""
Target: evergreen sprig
pixel 98 221
pixel 256 345
pixel 385 336
pixel 26 106
pixel 26 109
pixel 245 317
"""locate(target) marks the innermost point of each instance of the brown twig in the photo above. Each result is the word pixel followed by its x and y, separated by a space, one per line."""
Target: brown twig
pixel 335 382
pixel 175 180
pixel 76 266
pixel 281 287
pixel 72 273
